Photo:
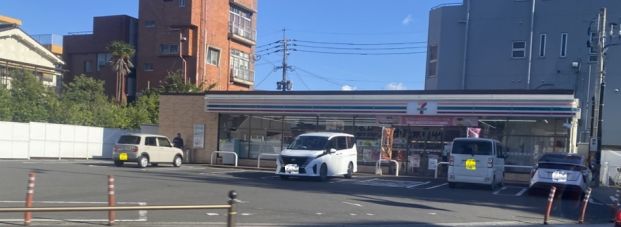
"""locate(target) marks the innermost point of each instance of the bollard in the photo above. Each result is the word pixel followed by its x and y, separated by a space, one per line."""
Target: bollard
pixel 549 207
pixel 111 200
pixel 29 196
pixel 232 212
pixel 585 202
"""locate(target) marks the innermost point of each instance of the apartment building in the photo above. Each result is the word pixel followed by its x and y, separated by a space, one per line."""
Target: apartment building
pixel 86 52
pixel 527 44
pixel 206 41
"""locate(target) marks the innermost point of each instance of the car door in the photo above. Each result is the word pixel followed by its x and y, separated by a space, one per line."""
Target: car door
pixel 341 155
pixel 499 162
pixel 167 153
pixel 332 158
pixel 150 146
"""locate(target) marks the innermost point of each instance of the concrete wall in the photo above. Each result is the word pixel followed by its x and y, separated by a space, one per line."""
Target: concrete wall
pixel 44 140
pixel 179 113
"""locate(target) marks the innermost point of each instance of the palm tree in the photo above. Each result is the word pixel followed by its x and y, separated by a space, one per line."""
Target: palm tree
pixel 121 63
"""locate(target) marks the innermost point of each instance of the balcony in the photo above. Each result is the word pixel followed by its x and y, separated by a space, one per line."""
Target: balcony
pixel 242 35
pixel 242 76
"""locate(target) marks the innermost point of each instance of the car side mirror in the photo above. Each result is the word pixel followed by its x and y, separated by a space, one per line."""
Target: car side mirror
pixel 331 150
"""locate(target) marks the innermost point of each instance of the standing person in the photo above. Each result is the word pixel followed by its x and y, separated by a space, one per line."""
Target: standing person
pixel 178 141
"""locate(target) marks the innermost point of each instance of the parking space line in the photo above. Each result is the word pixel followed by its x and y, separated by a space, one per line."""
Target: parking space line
pixel 501 189
pixel 436 186
pixel 416 185
pixel 521 192
pixel 353 204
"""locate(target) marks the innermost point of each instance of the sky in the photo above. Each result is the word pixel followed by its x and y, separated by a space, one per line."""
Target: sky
pixel 309 21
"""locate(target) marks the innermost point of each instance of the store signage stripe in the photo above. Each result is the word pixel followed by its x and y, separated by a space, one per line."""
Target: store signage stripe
pixel 504 108
pixel 510 113
pixel 299 111
pixel 307 107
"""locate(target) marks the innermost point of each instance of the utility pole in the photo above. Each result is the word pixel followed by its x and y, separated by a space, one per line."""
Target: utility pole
pixel 284 84
pixel 596 139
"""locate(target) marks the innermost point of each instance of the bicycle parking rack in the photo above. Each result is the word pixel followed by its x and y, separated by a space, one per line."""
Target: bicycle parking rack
pixel 378 166
pixel 224 152
pixel 264 154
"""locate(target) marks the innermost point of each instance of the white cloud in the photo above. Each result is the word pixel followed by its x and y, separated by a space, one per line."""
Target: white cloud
pixel 407 20
pixel 347 88
pixel 395 86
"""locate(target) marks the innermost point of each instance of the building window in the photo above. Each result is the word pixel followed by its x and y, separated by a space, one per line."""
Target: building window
pixel 213 56
pixel 240 65
pixel 88 66
pixel 149 24
pixel 169 48
pixel 240 22
pixel 518 49
pixel 593 58
pixel 148 67
pixel 593 43
pixel 432 64
pixel 102 60
pixel 563 44
pixel 182 3
pixel 542 45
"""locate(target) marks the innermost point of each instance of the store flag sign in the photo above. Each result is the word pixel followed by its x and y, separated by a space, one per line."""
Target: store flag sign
pixel 422 108
pixel 473 132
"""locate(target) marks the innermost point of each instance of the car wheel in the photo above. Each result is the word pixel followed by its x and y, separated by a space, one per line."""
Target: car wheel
pixel 143 162
pixel 350 170
pixel 452 184
pixel 284 177
pixel 323 173
pixel 118 163
pixel 177 161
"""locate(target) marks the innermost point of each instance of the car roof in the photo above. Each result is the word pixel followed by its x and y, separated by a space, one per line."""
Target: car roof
pixel 476 139
pixel 143 135
pixel 575 159
pixel 326 134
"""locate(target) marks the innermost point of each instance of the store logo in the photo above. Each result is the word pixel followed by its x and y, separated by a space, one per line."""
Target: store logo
pixel 422 107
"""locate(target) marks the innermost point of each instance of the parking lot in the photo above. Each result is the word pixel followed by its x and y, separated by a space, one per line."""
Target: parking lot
pixel 265 199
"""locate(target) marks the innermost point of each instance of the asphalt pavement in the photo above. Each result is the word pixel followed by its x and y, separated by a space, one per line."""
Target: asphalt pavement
pixel 266 200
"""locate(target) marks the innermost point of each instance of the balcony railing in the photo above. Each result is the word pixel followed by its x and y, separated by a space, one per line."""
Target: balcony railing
pixel 243 34
pixel 241 75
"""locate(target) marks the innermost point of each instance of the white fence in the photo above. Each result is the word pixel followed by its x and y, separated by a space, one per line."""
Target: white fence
pixel 44 140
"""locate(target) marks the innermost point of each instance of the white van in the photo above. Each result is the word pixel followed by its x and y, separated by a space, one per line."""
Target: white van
pixel 476 160
pixel 319 154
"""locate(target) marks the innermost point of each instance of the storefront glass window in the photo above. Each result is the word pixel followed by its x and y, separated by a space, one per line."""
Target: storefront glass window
pixel 234 134
pixel 296 125
pixel 265 135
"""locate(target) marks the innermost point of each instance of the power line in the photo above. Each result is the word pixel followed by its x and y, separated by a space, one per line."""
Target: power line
pixel 268 75
pixel 358 53
pixel 360 48
pixel 301 80
pixel 269 44
pixel 360 44
pixel 318 76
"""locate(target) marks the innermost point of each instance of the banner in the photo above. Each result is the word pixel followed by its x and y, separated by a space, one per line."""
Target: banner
pixel 473 132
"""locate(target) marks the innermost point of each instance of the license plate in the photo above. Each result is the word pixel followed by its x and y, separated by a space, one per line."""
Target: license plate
pixel 123 156
pixel 559 177
pixel 292 169
pixel 471 164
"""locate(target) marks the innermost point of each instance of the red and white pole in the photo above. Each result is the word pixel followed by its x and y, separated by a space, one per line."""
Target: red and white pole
pixel 549 207
pixel 29 196
pixel 585 202
pixel 111 200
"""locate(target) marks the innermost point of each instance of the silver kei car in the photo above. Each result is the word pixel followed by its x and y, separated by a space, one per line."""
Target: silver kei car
pixel 567 172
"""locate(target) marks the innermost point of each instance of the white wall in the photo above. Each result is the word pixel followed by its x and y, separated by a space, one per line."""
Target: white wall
pixel 44 140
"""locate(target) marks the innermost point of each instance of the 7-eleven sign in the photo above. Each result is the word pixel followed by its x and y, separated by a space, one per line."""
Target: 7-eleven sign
pixel 422 108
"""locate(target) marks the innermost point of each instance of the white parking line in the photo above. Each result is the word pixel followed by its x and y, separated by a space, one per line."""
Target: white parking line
pixel 498 191
pixel 353 204
pixel 142 214
pixel 225 172
pixel 591 201
pixel 437 186
pixel 419 184
pixel 521 192
pixel 212 214
pixel 614 199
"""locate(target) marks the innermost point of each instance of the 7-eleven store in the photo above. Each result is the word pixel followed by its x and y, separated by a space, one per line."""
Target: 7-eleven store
pixel 529 123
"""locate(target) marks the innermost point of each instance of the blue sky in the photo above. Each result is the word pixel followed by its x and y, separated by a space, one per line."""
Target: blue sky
pixel 344 21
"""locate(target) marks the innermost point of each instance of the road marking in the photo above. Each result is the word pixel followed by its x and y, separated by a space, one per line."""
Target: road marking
pixel 493 223
pixel 318 213
pixel 437 186
pixel 352 214
pixel 419 184
pixel 591 201
pixel 212 214
pixel 521 192
pixel 72 220
pixel 498 191
pixel 353 204
pixel 225 172
pixel 246 214
pixel 142 214
pixel 613 199
pixel 74 202
pixel 433 213
pixel 370 214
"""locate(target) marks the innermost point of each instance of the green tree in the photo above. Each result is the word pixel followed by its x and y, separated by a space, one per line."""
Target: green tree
pixel 174 83
pixel 145 110
pixel 30 100
pixel 6 113
pixel 121 64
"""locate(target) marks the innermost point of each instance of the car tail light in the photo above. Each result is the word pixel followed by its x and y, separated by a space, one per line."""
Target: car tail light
pixel 618 216
pixel 135 149
pixel 490 162
pixel 451 160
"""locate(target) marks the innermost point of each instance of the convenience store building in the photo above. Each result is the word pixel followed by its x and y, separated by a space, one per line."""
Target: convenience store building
pixel 248 123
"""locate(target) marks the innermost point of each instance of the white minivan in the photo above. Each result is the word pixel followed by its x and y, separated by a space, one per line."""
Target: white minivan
pixel 319 154
pixel 476 160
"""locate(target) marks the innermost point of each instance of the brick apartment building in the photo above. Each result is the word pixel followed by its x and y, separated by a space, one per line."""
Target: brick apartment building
pixel 87 53
pixel 208 41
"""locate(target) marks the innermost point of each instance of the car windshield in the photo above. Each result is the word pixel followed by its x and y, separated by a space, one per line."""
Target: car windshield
pixel 472 147
pixel 560 166
pixel 309 143
pixel 129 140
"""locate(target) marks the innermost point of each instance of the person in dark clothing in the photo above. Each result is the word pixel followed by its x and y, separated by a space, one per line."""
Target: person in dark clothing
pixel 178 141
